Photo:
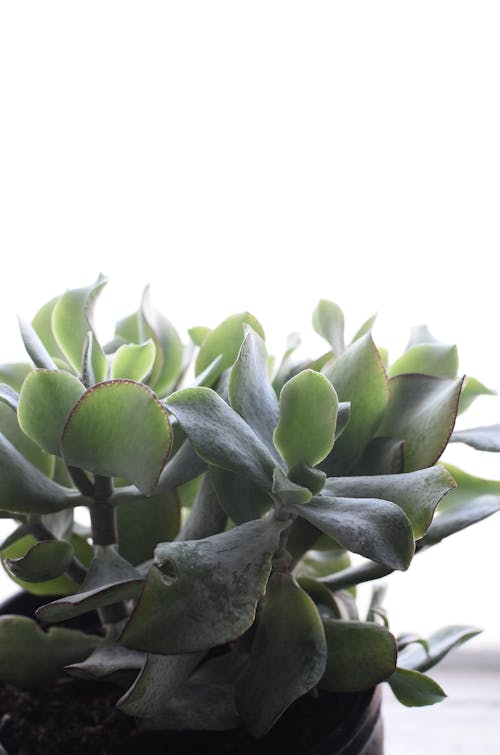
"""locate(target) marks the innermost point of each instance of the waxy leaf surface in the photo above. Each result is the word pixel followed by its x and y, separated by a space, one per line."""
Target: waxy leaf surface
pixel 482 438
pixel 143 522
pixel 328 321
pixel 439 644
pixel 414 689
pixel 226 339
pixel 287 658
pixel 119 429
pixel 376 529
pixel 437 359
pixel 31 451
pixel 46 399
pixel 220 436
pixel 45 560
pixel 421 411
pixel 168 347
pixel 308 415
pixel 134 361
pixel 202 593
pixel 360 655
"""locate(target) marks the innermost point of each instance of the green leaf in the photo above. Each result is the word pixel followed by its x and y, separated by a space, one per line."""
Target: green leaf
pixel 24 489
pixel 159 679
pixel 72 318
pixel 365 328
pixel 26 447
pixel 420 334
pixel 35 348
pixel 20 545
pixel 109 662
pixel 414 689
pixel 183 467
pixel 417 493
pixel 46 398
pixel 207 517
pixel 238 496
pixel 133 361
pixel 472 388
pixel 328 322
pixel 460 516
pixel 250 391
pixel 288 492
pixel 144 522
pixel 376 529
pixel 360 655
pixel 287 659
pixel 220 436
pixel 109 580
pixel 482 438
pixel 168 357
pixel 283 371
pixel 468 487
pixel 226 339
pixel 202 593
pixel 46 560
pixel 308 414
pixel 437 359
pixel 358 376
pixel 198 333
pixel 119 429
pixel 30 657
pixel 14 374
pixel 9 396
pixel 42 325
pixel 204 702
pixel 382 456
pixel 421 411
pixel 416 657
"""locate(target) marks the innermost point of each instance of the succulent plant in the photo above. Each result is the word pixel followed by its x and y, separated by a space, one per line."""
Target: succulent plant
pixel 223 515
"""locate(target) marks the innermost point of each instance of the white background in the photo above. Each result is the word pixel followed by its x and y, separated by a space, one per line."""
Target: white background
pixel 262 156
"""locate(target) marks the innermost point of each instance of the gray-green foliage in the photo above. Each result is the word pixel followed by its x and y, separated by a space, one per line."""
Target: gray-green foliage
pixel 224 508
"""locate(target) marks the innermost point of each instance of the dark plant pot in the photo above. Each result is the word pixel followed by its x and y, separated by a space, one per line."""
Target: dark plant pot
pixel 332 724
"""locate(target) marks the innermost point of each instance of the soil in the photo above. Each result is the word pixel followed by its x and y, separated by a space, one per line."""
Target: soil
pixel 74 717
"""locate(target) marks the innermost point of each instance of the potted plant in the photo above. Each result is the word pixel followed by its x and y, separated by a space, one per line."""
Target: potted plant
pixel 224 504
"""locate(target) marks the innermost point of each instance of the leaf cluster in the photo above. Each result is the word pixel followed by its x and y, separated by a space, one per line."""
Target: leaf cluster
pixel 226 495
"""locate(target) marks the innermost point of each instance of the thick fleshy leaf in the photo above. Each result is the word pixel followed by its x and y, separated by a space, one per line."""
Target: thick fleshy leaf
pixel 328 321
pixel 220 436
pixel 134 361
pixel 420 334
pixel 308 415
pixel 207 517
pixel 205 702
pixel 184 466
pixel 19 546
pixel 472 388
pixel 46 560
pixel 14 374
pixel 46 399
pixel 323 597
pixel 42 325
pixel 482 438
pixel 198 333
pixel 9 396
pixel 109 580
pixel 35 348
pixel 437 359
pixel 26 490
pixel 439 644
pixel 110 662
pixel 31 451
pixel 72 318
pixel 203 593
pixel 288 492
pixel 250 391
pixel 360 655
pixel 238 496
pixel 460 516
pixel 358 376
pixel 159 679
pixel 382 456
pixel 168 358
pixel 365 328
pixel 119 429
pixel 317 564
pixel 417 493
pixel 287 658
pixel 376 529
pixel 144 522
pixel 226 339
pixel 468 487
pixel 421 411
pixel 414 689
pixel 30 657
